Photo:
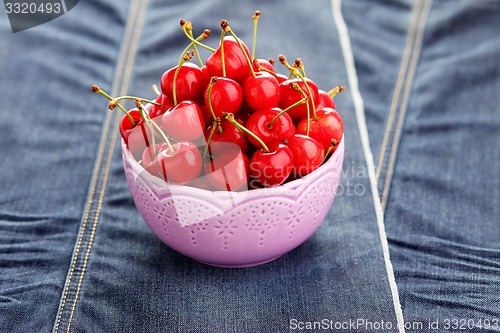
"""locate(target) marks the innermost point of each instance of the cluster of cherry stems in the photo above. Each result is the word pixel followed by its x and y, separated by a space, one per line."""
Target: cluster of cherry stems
pixel 233 122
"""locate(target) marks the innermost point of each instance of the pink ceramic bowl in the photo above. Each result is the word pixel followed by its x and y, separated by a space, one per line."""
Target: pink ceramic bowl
pixel 234 229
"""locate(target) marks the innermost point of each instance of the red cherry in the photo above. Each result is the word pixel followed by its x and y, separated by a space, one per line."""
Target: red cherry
pixel 289 96
pixel 260 124
pixel 228 171
pixel 226 96
pixel 260 64
pixel 328 126
pixel 324 100
pixel 149 158
pixel 228 138
pixel 261 91
pixel 140 138
pixel 189 83
pixel 235 61
pixel 272 168
pixel 206 75
pixel 281 78
pixel 337 115
pixel 165 104
pixel 181 165
pixel 126 126
pixel 151 108
pixel 308 154
pixel 207 117
pixel 155 111
pixel 243 115
pixel 184 121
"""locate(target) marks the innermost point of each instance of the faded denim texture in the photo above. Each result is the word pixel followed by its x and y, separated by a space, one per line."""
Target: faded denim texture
pixel 421 179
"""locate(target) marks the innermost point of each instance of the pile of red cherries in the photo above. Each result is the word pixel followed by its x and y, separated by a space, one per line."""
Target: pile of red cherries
pixel 232 122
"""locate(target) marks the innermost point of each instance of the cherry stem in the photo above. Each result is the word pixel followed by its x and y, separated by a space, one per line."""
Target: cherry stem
pixel 148 120
pixel 195 48
pixel 255 18
pixel 332 93
pixel 212 131
pixel 197 42
pixel 222 53
pixel 230 117
pixel 156 90
pixel 295 86
pixel 103 93
pixel 216 124
pixel 299 102
pixel 225 27
pixel 213 80
pixel 262 69
pixel 300 64
pixel 332 146
pixel 115 100
pixel 153 140
pixel 296 72
pixel 186 56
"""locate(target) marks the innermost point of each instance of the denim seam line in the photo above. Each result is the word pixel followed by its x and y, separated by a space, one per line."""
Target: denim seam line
pixel 358 102
pixel 398 86
pixel 402 89
pixel 90 219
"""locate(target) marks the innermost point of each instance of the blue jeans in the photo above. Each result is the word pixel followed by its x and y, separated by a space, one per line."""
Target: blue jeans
pixel 411 241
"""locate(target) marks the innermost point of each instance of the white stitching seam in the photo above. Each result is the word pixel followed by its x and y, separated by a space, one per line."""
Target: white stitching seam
pixel 404 104
pixel 121 82
pixel 399 85
pixel 360 116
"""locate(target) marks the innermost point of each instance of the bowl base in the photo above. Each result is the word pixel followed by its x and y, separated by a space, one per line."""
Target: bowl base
pixel 240 266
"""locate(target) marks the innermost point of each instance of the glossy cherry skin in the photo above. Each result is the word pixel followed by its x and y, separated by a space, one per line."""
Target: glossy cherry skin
pixel 137 137
pixel 140 138
pixel 236 64
pixel 207 116
pixel 308 154
pixel 328 126
pixel 155 110
pixel 259 123
pixel 149 158
pixel 289 96
pixel 206 75
pixel 325 100
pixel 228 171
pixel 281 78
pixel 226 96
pixel 261 91
pixel 243 115
pixel 272 168
pixel 228 138
pixel 189 84
pixel 184 121
pixel 265 64
pixel 126 126
pixel 182 165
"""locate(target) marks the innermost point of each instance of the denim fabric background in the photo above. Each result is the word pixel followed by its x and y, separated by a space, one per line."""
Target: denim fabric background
pixel 75 255
pixel 442 212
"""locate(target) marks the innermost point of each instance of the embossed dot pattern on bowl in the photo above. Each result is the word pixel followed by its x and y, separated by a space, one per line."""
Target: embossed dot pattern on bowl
pixel 234 229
